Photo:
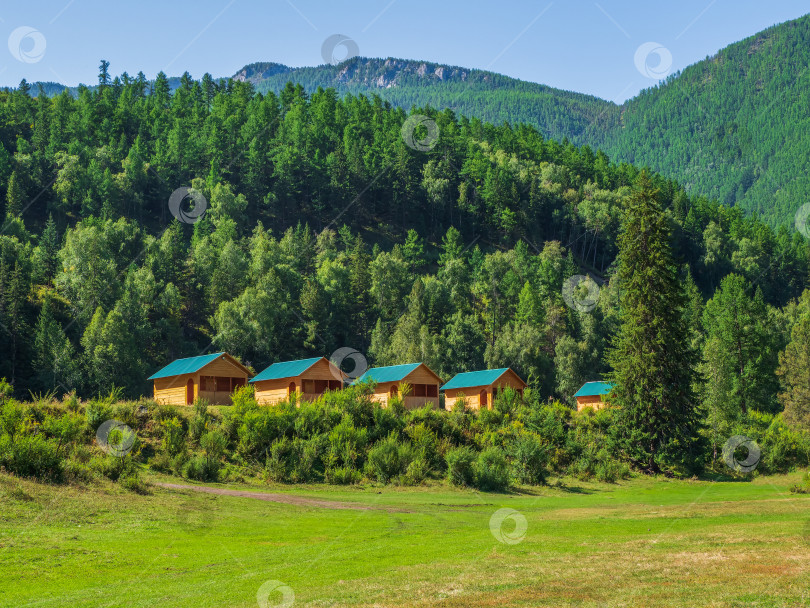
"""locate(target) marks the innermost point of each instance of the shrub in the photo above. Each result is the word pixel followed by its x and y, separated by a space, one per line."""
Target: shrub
pixel 97 412
pixel 803 487
pixel 388 459
pixel 199 421
pixel 342 475
pixel 6 390
pixel 134 483
pixel 31 456
pixel 528 459
pixel 491 470
pixel 201 468
pixel 416 473
pixel 461 466
pixel 174 437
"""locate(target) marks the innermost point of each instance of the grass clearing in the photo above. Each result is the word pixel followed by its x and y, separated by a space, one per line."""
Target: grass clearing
pixel 642 542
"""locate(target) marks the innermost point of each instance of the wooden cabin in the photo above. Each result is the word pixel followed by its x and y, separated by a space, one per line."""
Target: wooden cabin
pixel 423 381
pixel 593 394
pixel 308 379
pixel 211 377
pixel 480 388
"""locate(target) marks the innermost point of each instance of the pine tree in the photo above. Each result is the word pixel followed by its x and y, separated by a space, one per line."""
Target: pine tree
pixel 652 357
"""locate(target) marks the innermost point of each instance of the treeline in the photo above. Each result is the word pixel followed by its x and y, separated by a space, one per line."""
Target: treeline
pixel 323 229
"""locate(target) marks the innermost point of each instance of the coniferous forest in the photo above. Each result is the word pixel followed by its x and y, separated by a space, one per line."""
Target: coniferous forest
pixel 321 222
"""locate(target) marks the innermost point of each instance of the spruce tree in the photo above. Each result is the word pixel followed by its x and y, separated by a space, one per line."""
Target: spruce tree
pixel 652 357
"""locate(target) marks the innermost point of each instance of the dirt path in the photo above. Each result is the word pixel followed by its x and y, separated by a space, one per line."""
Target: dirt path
pixel 282 498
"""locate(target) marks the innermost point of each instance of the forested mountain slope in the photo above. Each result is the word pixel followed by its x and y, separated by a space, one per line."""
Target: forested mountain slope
pixel 735 126
pixel 326 224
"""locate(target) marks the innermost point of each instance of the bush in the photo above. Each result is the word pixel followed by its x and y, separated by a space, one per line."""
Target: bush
pixel 416 473
pixel 113 467
pixel 342 475
pixel 461 466
pixel 97 412
pixel 174 437
pixel 201 468
pixel 134 483
pixel 388 459
pixel 31 456
pixel 491 470
pixel 199 421
pixel 528 459
pixel 803 487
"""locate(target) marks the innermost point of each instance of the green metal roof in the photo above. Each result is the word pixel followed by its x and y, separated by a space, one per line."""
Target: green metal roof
pixel 189 365
pixel 480 378
pixel 591 389
pixel 286 369
pixel 391 373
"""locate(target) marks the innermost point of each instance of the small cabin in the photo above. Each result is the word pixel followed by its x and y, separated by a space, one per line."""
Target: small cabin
pixel 423 381
pixel 593 394
pixel 211 377
pixel 307 379
pixel 479 389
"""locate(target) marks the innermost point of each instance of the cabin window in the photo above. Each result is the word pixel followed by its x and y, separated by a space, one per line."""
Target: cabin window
pixel 208 383
pixel 419 390
pixel 237 382
pixel 308 386
pixel 432 390
pixel 223 384
pixel 335 385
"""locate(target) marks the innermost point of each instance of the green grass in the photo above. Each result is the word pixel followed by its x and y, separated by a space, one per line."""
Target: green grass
pixel 643 542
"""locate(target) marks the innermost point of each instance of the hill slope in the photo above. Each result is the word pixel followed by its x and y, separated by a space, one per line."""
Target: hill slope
pixel 735 126
pixel 486 95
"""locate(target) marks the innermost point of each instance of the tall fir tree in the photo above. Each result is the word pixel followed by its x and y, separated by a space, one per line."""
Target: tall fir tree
pixel 652 355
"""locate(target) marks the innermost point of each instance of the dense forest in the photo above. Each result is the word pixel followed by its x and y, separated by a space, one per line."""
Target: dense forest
pixel 321 224
pixel 733 127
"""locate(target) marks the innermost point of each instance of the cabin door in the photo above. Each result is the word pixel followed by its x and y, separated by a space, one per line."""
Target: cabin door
pixel 291 389
pixel 482 399
pixel 190 392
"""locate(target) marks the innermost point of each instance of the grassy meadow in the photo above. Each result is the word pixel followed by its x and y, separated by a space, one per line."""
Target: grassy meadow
pixel 640 542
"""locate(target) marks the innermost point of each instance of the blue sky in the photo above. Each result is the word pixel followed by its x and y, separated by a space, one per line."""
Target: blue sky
pixel 586 46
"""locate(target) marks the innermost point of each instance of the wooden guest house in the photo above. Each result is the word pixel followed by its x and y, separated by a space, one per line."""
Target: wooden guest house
pixel 211 377
pixel 478 389
pixel 593 394
pixel 424 384
pixel 306 378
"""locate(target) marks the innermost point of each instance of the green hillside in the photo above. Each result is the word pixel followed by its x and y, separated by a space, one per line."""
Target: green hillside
pixel 734 127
